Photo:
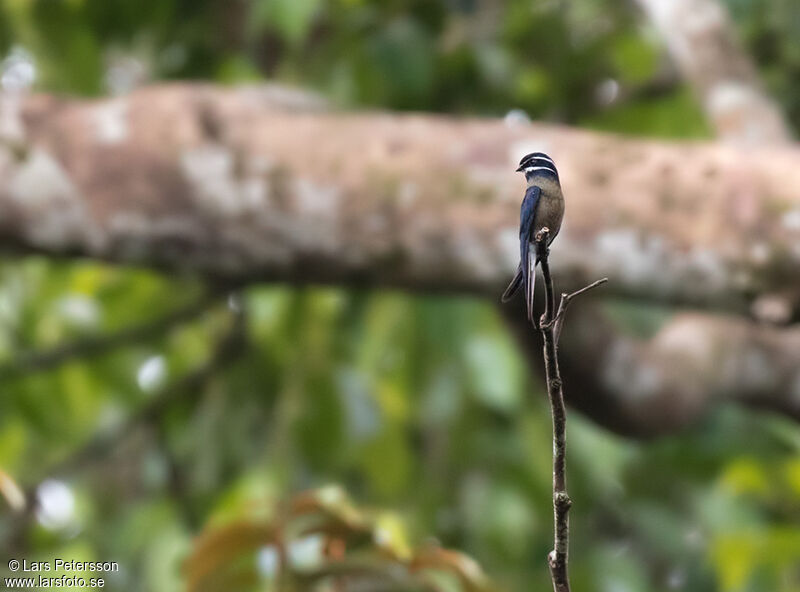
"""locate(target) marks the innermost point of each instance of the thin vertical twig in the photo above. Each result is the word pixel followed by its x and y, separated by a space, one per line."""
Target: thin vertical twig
pixel 550 327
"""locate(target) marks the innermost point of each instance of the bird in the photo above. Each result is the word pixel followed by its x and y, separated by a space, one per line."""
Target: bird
pixel 542 207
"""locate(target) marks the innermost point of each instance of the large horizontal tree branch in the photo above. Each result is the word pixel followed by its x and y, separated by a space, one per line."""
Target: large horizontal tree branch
pixel 245 184
pixel 264 184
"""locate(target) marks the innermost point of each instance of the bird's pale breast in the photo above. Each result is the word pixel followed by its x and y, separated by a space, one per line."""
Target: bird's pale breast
pixel 550 209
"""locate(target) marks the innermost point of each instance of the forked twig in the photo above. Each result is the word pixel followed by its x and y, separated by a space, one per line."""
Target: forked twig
pixel 558 321
pixel 550 327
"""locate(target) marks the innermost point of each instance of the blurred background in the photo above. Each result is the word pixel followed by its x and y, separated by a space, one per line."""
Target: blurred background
pixel 138 411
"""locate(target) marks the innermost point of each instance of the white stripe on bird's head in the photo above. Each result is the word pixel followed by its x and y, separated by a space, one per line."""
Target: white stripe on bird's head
pixel 545 158
pixel 536 159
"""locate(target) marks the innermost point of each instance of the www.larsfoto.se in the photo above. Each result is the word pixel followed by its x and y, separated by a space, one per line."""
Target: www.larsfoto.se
pixel 42 581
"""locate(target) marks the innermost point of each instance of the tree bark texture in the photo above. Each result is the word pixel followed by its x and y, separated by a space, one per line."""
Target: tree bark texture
pixel 265 184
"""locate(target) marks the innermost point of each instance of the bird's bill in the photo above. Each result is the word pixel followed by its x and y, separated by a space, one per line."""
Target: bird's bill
pixel 520 169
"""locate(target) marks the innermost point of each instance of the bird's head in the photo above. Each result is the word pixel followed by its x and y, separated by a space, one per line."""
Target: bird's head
pixel 537 164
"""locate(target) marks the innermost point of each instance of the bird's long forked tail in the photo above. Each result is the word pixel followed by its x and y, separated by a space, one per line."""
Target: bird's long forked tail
pixel 529 281
pixel 513 286
pixel 530 284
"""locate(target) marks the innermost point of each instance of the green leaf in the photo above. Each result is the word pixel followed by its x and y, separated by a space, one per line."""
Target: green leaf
pixel 674 116
pixel 387 462
pixel 291 18
pixel 635 59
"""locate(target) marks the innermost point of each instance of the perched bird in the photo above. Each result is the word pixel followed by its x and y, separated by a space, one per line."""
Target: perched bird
pixel 543 206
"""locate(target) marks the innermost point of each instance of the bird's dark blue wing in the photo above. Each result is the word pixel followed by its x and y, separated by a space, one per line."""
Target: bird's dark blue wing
pixel 527 211
pixel 526 223
pixel 524 274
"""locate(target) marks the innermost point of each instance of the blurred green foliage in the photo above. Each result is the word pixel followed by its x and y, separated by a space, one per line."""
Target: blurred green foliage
pixel 420 405
pixel 547 57
pixel 770 29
